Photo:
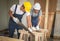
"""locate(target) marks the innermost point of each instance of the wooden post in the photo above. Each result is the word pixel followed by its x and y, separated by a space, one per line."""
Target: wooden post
pixel 46 17
pixel 38 36
pixel 46 14
pixel 24 33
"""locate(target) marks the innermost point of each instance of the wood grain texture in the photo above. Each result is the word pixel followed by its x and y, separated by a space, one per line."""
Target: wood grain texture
pixel 2 38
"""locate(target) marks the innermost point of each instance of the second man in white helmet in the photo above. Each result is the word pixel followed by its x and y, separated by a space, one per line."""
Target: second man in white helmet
pixel 36 14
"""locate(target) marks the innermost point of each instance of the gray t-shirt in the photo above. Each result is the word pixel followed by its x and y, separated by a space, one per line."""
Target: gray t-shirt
pixel 34 14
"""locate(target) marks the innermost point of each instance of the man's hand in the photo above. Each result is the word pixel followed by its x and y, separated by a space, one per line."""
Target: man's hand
pixel 37 27
pixel 30 29
pixel 16 20
pixel 33 28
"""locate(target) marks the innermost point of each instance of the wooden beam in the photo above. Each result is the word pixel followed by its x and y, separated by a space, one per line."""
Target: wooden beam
pixel 2 38
pixel 46 14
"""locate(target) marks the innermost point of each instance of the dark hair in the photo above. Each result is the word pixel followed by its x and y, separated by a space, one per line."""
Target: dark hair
pixel 23 6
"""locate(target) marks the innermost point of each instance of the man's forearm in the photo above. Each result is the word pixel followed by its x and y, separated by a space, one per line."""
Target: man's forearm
pixel 39 22
pixel 10 14
pixel 29 21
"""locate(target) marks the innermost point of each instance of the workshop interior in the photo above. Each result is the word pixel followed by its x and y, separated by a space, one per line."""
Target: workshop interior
pixel 48 24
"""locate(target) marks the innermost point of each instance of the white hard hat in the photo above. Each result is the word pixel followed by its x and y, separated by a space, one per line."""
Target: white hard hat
pixel 37 6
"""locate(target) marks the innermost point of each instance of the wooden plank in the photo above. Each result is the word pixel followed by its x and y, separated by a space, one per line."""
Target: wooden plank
pixel 52 4
pixel 46 17
pixel 50 23
pixel 23 34
pixel 37 36
pixel 46 14
pixel 2 38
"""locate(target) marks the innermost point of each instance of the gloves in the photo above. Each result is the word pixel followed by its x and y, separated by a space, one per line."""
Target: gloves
pixel 15 32
pixel 37 27
pixel 16 20
pixel 33 28
pixel 30 29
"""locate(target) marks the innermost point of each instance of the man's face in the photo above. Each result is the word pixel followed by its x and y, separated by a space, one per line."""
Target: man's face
pixel 36 11
pixel 22 8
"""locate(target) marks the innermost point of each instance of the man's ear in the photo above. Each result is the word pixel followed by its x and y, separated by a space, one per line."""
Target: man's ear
pixel 23 6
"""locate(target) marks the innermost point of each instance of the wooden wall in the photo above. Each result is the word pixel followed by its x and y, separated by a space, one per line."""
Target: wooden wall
pixel 52 9
pixel 52 4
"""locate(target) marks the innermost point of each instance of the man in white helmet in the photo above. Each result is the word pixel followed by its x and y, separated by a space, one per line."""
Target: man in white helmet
pixel 36 14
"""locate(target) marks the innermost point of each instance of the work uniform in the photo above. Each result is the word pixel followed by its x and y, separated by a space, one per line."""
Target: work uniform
pixel 34 17
pixel 18 14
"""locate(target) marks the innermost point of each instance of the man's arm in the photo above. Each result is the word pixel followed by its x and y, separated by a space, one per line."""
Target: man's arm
pixel 29 21
pixel 10 14
pixel 39 22
pixel 40 17
pixel 12 10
